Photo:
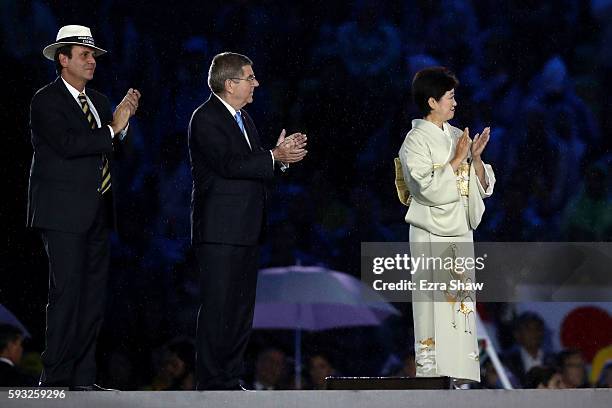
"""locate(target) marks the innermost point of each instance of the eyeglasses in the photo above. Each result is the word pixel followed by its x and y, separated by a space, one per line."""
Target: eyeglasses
pixel 250 78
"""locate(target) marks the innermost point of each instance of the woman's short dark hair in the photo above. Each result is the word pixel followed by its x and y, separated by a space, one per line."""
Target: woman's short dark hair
pixel 431 82
pixel 67 51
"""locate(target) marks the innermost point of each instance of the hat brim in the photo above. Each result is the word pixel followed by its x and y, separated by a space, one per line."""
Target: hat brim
pixel 49 50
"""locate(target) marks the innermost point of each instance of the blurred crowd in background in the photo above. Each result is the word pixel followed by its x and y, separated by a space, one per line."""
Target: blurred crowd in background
pixel 538 73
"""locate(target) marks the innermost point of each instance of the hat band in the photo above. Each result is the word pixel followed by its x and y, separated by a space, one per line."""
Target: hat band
pixel 79 39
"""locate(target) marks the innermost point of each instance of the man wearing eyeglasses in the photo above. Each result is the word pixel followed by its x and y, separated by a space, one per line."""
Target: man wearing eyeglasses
pixel 229 167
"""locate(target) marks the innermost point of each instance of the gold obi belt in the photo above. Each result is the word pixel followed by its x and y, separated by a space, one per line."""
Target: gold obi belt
pixel 463 179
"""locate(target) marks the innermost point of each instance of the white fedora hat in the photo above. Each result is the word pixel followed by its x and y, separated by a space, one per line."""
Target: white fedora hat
pixel 72 34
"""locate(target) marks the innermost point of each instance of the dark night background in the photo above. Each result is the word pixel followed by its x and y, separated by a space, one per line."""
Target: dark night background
pixel 539 73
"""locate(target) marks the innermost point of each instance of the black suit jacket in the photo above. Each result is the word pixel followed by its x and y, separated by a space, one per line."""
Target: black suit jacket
pixel 12 377
pixel 66 166
pixel 229 192
pixel 514 362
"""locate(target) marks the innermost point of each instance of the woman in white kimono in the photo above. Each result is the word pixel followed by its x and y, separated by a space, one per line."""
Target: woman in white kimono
pixel 447 181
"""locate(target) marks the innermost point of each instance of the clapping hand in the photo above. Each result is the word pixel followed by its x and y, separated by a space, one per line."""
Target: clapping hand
pixel 131 99
pixel 463 145
pixel 479 143
pixel 290 149
pixel 125 110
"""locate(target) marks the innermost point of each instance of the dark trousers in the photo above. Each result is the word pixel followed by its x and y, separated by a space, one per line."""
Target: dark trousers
pixel 228 280
pixel 78 274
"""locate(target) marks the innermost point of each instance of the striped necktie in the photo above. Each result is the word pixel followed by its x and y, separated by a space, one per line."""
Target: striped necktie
pixel 106 180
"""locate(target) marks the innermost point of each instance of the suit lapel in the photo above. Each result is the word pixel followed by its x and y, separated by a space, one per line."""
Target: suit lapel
pixel 102 107
pixel 251 131
pixel 98 106
pixel 70 102
pixel 230 122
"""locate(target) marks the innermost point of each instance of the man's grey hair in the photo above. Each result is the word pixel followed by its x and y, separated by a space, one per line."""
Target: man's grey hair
pixel 225 66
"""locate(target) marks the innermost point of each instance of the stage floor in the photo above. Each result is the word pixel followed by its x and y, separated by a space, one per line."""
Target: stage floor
pixel 585 398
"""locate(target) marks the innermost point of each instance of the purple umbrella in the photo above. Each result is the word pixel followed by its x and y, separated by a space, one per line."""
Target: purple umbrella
pixel 7 317
pixel 315 298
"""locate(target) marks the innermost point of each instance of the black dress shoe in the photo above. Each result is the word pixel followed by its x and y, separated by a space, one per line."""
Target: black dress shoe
pixel 93 387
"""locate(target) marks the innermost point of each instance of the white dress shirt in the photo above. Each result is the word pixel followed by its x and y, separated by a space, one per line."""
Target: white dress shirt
pixel 529 362
pixel 232 111
pixel 7 361
pixel 75 94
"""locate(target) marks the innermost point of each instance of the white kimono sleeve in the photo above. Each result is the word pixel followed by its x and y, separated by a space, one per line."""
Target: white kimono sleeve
pixel 428 185
pixel 490 178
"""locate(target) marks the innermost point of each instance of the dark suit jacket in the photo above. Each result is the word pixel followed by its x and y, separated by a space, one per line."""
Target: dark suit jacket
pixel 12 377
pixel 67 161
pixel 513 362
pixel 229 193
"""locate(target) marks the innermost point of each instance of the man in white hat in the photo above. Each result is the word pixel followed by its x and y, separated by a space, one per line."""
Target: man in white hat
pixel 70 202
